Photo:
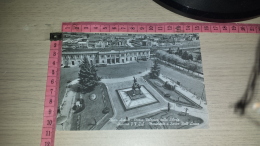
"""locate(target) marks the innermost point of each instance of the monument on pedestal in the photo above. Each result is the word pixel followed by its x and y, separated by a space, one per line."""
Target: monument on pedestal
pixel 136 92
pixel 136 96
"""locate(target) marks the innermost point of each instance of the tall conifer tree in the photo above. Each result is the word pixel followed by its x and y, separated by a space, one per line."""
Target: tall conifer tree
pixel 155 70
pixel 88 78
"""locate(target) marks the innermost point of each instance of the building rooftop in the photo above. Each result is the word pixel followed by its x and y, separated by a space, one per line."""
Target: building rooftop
pixel 106 50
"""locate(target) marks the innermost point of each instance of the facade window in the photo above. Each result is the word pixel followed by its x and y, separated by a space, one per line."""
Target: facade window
pixel 102 56
pixel 108 55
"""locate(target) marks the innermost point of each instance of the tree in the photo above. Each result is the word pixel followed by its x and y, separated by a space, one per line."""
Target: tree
pixel 155 70
pixel 170 51
pixel 193 67
pixel 186 111
pixel 190 57
pixel 164 57
pixel 180 52
pixel 185 56
pixel 174 61
pixel 199 57
pixel 88 78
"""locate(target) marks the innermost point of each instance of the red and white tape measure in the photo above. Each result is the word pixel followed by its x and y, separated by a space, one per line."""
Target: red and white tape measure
pixel 52 85
pixel 51 94
pixel 171 27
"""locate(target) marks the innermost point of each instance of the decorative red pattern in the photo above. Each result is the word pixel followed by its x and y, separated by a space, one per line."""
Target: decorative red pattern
pixel 170 27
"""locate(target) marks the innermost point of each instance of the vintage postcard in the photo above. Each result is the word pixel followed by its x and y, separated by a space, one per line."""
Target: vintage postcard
pixel 112 81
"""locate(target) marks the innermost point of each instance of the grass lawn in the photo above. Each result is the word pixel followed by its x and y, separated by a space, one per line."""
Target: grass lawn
pixel 124 70
pixel 162 120
pixel 92 117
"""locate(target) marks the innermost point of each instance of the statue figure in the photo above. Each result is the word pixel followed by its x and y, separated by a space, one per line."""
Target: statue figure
pixel 136 88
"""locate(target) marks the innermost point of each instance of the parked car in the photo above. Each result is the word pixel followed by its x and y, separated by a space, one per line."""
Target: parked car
pixel 167 95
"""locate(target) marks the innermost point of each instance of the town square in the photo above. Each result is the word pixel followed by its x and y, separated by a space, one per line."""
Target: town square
pixel 131 81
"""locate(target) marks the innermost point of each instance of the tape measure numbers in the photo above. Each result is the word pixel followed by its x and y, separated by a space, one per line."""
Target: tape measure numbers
pixel 51 95
pixel 171 27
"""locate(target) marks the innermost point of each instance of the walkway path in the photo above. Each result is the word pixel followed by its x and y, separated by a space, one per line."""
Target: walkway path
pixel 120 113
pixel 66 109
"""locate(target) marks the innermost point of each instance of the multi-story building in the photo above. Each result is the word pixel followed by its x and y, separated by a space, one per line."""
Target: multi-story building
pixel 106 56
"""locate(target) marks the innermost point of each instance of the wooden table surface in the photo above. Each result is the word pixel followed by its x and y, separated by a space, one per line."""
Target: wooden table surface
pixel 24 44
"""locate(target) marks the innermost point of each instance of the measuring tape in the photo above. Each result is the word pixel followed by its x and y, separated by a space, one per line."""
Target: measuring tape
pixel 51 94
pixel 53 79
pixel 171 27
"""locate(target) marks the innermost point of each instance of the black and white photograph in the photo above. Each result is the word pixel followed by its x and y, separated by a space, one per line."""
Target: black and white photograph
pixel 120 81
